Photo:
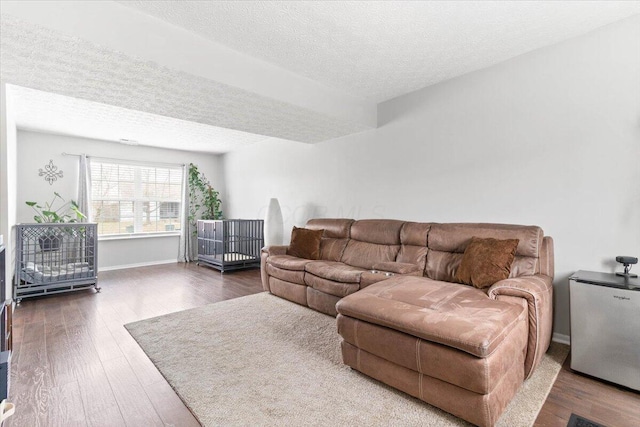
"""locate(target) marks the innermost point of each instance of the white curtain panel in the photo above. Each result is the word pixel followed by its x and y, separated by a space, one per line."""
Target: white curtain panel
pixel 186 252
pixel 84 186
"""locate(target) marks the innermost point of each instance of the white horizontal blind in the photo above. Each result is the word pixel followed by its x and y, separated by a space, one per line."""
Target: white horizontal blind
pixel 128 197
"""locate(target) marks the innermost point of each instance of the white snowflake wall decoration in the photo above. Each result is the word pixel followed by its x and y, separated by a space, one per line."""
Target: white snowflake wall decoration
pixel 50 173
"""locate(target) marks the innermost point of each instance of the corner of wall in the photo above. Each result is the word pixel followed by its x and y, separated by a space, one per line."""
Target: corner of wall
pixel 7 180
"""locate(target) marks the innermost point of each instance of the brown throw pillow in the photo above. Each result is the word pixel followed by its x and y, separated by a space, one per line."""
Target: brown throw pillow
pixel 305 243
pixel 486 261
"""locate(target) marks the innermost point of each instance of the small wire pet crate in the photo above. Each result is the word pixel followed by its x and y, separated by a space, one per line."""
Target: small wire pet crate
pixel 230 244
pixel 55 258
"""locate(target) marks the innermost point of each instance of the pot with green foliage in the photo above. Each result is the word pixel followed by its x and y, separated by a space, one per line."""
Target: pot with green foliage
pixel 57 210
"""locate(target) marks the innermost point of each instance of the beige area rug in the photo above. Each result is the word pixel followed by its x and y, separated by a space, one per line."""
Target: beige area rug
pixel 261 360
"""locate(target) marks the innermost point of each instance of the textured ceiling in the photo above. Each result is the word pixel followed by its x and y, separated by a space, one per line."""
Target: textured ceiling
pixel 380 50
pixel 39 58
pixel 373 50
pixel 47 112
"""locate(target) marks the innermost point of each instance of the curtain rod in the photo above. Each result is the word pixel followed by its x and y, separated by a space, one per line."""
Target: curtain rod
pixel 127 160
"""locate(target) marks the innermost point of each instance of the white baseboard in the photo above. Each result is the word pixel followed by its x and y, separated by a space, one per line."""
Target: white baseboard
pixel 139 264
pixel 561 338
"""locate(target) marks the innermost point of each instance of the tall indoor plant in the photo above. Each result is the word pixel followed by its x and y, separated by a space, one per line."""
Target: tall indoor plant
pixel 204 200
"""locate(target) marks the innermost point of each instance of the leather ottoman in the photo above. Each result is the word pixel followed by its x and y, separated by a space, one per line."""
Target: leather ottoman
pixel 447 344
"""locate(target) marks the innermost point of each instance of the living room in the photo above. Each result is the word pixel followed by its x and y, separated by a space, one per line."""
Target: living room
pixel 476 112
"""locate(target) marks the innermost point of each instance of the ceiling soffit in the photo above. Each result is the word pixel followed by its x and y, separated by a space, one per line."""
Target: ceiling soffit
pixel 43 59
pixel 52 113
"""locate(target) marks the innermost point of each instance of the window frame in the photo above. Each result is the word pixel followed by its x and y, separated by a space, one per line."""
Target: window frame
pixel 138 200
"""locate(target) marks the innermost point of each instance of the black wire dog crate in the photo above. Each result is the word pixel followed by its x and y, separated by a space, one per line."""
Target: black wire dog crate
pixel 55 258
pixel 230 244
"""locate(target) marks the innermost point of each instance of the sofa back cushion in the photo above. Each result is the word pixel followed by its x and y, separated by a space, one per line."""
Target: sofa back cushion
pixel 413 243
pixel 372 241
pixel 447 243
pixel 335 237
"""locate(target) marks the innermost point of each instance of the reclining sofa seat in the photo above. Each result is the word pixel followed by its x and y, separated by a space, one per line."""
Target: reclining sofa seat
pixel 284 275
pixel 463 349
pixel 349 251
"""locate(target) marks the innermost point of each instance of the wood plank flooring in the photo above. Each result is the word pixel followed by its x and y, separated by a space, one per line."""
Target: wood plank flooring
pixel 74 364
pixel 596 400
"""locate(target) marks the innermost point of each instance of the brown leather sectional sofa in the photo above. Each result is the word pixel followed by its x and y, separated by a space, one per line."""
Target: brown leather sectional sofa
pixel 403 319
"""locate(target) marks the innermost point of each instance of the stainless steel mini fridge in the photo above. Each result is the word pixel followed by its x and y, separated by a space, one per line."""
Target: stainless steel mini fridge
pixel 605 327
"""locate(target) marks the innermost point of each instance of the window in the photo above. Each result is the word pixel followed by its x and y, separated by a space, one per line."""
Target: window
pixel 130 198
pixel 169 210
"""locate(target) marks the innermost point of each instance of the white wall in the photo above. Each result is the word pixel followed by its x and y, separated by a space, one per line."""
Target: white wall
pixel 36 149
pixel 550 138
pixel 7 181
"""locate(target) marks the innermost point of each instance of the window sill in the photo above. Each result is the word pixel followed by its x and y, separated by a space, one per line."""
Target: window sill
pixel 139 236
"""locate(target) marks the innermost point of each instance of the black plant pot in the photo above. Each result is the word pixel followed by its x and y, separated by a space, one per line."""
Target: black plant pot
pixel 49 242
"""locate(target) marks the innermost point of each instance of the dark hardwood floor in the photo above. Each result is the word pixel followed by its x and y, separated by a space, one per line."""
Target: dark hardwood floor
pixel 598 401
pixel 74 364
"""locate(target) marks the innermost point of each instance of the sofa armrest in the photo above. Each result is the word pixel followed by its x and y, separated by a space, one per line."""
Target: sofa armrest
pixel 537 290
pixel 265 253
pixel 275 250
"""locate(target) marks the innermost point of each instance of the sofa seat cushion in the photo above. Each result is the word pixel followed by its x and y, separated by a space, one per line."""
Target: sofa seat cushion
pixel 292 276
pixel 370 277
pixel 336 271
pixel 451 314
pixel 288 262
pixel 330 287
pixel 398 268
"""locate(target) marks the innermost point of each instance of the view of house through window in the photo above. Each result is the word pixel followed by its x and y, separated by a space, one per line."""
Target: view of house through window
pixel 129 198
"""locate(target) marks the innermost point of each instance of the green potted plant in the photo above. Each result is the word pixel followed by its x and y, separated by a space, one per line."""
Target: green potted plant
pixel 57 210
pixel 204 200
